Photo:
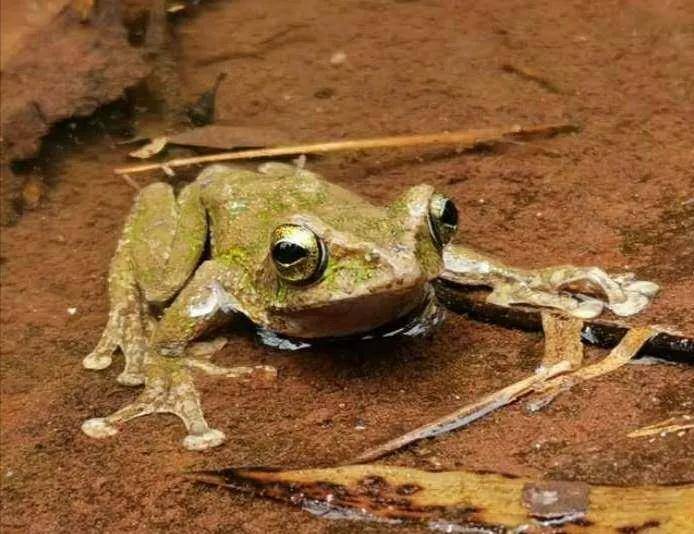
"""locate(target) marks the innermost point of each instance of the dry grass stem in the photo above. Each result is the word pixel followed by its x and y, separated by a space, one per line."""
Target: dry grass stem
pixel 466 140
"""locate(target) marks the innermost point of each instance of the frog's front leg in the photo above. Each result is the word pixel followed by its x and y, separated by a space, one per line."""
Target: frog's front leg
pixel 169 387
pixel 554 287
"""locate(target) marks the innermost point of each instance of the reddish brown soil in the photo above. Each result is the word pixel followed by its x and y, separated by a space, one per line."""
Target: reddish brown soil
pixel 619 194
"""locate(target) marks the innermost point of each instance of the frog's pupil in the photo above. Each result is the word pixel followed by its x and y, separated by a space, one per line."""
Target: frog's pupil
pixel 449 215
pixel 287 253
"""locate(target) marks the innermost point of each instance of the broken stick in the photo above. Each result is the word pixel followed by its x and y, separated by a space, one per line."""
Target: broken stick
pixel 673 424
pixel 539 382
pixel 468 413
pixel 466 140
pixel 628 347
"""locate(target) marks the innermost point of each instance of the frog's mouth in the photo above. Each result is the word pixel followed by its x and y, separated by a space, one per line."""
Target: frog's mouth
pixel 420 321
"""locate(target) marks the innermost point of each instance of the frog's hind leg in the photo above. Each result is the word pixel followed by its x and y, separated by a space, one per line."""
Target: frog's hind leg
pixel 128 323
pixel 568 288
pixel 161 246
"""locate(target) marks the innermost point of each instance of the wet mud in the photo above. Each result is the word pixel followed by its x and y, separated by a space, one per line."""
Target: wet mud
pixel 617 194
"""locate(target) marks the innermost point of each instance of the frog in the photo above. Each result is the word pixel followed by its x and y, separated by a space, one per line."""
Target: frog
pixel 298 256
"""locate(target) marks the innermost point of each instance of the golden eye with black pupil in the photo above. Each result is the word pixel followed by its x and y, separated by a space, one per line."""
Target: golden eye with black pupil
pixel 298 254
pixel 443 219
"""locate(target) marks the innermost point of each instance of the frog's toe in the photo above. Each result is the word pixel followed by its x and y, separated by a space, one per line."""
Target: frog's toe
pixel 588 308
pixel 648 289
pixel 99 428
pixel 129 378
pixel 97 361
pixel 634 303
pixel 206 440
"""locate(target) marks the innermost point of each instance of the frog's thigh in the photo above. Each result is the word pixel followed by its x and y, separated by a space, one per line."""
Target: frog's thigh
pixel 166 239
pixel 160 247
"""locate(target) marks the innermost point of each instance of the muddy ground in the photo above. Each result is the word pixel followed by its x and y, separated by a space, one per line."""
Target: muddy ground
pixel 619 194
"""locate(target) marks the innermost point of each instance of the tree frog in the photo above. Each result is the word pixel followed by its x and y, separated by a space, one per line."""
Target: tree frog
pixel 299 257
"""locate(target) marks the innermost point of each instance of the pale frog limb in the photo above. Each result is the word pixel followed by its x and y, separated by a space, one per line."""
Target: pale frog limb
pixel 161 245
pixel 551 287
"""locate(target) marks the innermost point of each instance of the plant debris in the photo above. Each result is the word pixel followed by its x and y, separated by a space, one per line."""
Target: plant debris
pixel 214 136
pixel 468 413
pixel 630 344
pixel 562 339
pixel 202 111
pixel 531 75
pixel 463 499
pixel 465 140
pixel 539 382
pixel 673 424
pixel 471 301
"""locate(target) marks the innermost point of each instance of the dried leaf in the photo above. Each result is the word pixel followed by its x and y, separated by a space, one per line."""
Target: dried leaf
pixel 454 499
pixel 152 148
pixel 562 339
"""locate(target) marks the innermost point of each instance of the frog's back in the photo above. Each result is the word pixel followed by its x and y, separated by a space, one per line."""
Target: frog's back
pixel 245 207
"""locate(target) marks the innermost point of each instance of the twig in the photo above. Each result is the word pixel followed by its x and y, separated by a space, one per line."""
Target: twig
pixel 468 413
pixel 467 139
pixel 664 427
pixel 531 75
pixel 539 382
pixel 628 347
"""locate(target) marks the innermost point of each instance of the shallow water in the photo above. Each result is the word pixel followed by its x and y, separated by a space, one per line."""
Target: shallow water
pixel 624 71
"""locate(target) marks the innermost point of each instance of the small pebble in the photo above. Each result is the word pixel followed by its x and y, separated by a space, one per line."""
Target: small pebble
pixel 338 58
pixel 71 311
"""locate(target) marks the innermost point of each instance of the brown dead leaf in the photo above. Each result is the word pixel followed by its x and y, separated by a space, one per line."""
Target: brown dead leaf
pixel 214 136
pixel 152 148
pixel 394 494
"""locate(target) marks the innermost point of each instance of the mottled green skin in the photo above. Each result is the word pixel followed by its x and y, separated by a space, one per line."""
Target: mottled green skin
pixel 164 294
pixel 373 251
pixel 380 261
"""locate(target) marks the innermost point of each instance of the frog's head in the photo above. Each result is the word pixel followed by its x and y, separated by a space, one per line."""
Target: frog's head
pixel 340 275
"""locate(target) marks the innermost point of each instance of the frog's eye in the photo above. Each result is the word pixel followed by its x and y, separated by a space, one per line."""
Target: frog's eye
pixel 298 254
pixel 443 219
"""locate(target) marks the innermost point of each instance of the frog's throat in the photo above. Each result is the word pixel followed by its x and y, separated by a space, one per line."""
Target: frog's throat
pixel 419 321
